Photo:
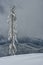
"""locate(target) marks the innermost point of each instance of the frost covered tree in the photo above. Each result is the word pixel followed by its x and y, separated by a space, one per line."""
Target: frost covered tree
pixel 12 31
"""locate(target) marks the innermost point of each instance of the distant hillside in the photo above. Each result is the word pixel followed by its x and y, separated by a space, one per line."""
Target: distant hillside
pixel 34 41
pixel 24 46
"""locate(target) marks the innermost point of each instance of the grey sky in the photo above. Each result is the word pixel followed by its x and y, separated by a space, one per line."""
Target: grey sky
pixel 29 17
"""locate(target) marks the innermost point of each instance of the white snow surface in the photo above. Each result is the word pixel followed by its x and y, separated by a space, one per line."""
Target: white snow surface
pixel 26 59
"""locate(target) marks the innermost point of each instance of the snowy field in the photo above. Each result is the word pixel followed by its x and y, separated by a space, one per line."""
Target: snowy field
pixel 26 59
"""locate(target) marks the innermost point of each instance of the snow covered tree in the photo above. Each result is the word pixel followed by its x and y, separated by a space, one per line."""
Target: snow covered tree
pixel 12 31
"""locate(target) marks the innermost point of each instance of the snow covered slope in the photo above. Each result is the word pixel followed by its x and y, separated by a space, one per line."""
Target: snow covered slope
pixel 26 59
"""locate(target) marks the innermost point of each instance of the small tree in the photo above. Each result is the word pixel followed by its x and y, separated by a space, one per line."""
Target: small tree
pixel 12 31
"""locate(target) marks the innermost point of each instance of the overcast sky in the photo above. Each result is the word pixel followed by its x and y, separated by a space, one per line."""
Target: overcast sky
pixel 29 17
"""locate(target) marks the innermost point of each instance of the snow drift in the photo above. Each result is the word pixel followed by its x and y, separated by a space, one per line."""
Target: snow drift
pixel 26 59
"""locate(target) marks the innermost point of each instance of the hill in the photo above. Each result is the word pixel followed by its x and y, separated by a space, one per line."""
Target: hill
pixel 26 59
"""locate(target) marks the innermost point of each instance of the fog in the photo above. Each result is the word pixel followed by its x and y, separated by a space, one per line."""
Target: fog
pixel 29 17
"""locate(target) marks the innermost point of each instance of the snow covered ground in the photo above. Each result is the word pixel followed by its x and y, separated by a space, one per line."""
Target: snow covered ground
pixel 26 59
